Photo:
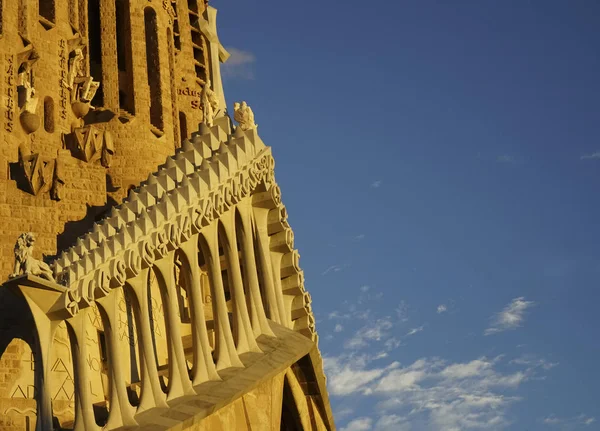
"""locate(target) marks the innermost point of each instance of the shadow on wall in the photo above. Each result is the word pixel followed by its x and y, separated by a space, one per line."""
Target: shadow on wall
pixel 17 321
pixel 75 229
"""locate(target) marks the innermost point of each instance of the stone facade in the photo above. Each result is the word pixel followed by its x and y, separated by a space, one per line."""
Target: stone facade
pixel 176 300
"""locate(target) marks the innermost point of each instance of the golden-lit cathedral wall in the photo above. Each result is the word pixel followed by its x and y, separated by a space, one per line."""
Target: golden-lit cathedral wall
pixel 60 173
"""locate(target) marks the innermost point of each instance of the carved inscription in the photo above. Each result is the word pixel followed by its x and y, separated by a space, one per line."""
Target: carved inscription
pixel 63 63
pixel 9 101
pixel 112 274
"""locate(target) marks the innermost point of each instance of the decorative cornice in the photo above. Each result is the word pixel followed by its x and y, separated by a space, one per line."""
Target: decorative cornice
pixel 204 179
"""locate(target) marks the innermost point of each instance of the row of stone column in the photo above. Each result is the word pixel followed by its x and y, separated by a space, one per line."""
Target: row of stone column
pixel 250 318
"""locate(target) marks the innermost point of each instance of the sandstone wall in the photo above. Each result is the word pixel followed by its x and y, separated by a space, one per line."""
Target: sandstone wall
pixel 122 106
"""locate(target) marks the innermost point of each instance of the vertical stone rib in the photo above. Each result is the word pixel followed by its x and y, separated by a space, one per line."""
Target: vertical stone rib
pixel 260 323
pixel 121 412
pixel 152 394
pixel 264 254
pixel 179 382
pixel 245 340
pixel 84 410
pixel 225 347
pixel 204 367
pixel 286 317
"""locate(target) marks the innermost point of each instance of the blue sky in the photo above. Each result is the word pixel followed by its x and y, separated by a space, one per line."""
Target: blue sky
pixel 440 162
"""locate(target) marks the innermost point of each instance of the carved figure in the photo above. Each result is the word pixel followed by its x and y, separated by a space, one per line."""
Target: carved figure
pixel 243 114
pixel 82 86
pixel 58 181
pixel 210 104
pixel 28 101
pixel 25 263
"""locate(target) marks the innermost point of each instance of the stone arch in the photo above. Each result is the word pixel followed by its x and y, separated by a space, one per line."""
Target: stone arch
pixel 291 420
pixel 49 114
pixel 153 67
pixel 18 391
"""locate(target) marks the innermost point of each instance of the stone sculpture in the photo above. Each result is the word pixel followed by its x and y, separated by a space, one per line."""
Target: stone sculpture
pixel 209 103
pixel 28 101
pixel 243 114
pixel 58 181
pixel 90 144
pixel 83 87
pixel 25 263
pixel 37 170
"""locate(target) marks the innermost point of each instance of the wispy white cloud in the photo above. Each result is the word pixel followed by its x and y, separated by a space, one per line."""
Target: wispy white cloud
pixel 595 155
pixel 377 330
pixel 359 237
pixel 568 424
pixel 414 331
pixel 376 184
pixel 365 288
pixel 402 311
pixel 505 159
pixel 442 308
pixel 240 64
pixel 511 317
pixel 338 328
pixel 532 361
pixel 447 396
pixel 359 424
pixel 334 268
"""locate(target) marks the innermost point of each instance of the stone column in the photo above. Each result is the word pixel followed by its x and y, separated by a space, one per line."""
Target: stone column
pixel 225 346
pixel 152 394
pixel 204 366
pixel 121 412
pixel 84 409
pixel 245 340
pixel 179 382
pixel 274 298
pixel 258 317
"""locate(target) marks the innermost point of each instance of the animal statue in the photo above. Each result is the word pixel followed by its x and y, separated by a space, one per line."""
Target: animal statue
pixel 25 263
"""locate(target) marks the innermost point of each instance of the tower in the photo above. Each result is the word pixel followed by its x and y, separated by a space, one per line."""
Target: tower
pixel 150 279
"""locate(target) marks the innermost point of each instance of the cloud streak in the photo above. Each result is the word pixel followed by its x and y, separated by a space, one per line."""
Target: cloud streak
pixel 592 156
pixel 511 317
pixel 240 64
pixel 446 396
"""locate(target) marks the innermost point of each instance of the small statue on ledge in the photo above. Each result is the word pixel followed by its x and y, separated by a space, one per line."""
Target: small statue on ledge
pixel 25 263
pixel 83 88
pixel 209 103
pixel 243 114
